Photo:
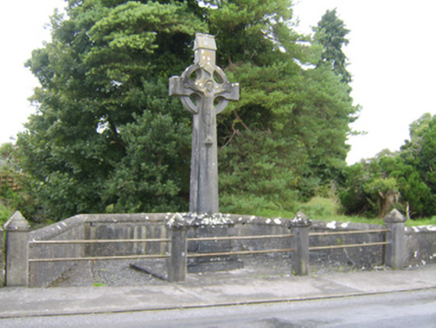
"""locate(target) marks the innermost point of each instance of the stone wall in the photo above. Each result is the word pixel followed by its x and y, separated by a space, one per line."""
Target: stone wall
pixel 244 225
pixel 42 274
pixel 420 245
pixel 125 226
pixel 420 241
pixel 359 257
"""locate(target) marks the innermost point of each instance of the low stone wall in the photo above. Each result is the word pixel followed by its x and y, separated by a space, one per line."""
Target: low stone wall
pixel 420 245
pixel 125 226
pixel 42 274
pixel 153 226
pixel 420 241
pixel 244 225
pixel 359 257
pixel 2 259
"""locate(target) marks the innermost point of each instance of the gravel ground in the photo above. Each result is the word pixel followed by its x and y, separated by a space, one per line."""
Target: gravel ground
pixel 120 273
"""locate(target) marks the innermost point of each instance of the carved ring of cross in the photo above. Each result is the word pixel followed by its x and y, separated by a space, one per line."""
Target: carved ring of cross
pixel 212 82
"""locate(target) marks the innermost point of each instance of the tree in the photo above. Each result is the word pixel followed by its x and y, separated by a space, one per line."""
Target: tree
pixel 101 77
pixel 7 161
pixel 305 115
pixel 106 135
pixel 405 180
pixel 416 172
pixel 331 34
pixel 369 189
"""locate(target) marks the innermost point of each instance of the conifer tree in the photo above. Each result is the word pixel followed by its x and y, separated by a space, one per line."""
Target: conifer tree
pixel 106 136
pixel 331 34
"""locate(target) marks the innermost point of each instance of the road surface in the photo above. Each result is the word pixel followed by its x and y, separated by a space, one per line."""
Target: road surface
pixel 399 309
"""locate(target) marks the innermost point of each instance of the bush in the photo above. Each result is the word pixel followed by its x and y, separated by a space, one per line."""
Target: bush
pixel 5 214
pixel 319 208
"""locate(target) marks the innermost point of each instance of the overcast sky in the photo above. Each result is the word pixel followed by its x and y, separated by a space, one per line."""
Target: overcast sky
pixel 392 55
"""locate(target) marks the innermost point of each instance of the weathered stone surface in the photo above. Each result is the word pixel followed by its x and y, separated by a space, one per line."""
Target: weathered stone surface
pixel 2 267
pixel 395 251
pixel 420 244
pixel 211 92
pixel 177 263
pixel 356 257
pixel 42 274
pixel 395 216
pixel 300 228
pixel 301 220
pixel 17 223
pixel 17 251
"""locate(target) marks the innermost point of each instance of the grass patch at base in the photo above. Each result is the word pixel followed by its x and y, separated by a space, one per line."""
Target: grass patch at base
pixel 324 209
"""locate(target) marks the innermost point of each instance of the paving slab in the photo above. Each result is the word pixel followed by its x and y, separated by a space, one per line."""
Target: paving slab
pixel 211 289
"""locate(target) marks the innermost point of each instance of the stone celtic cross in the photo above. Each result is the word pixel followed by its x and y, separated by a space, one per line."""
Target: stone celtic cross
pixel 204 94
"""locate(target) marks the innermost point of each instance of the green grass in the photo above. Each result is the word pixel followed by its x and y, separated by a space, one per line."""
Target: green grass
pixel 324 209
pixel 345 218
pixel 429 221
pixel 98 284
pixel 5 214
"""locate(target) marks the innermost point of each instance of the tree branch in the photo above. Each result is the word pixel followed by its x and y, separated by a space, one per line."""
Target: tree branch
pixel 240 121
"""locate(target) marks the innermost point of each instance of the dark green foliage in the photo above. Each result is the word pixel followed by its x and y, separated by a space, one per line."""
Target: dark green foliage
pixel 152 169
pixel 106 67
pixel 405 180
pixel 416 174
pixel 261 170
pixel 331 34
pixel 8 161
pixel 369 188
pixel 106 137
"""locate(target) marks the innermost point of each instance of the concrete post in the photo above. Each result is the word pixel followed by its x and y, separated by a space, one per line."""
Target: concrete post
pixel 395 251
pixel 177 263
pixel 300 227
pixel 17 251
pixel 2 267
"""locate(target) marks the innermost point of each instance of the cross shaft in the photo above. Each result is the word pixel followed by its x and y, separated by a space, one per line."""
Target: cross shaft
pixel 204 97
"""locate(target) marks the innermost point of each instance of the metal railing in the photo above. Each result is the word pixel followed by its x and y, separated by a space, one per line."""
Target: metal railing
pixel 348 233
pixel 155 256
pixel 97 241
pixel 263 251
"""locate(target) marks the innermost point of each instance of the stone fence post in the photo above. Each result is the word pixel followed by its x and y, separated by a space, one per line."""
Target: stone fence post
pixel 2 268
pixel 177 263
pixel 395 251
pixel 17 251
pixel 300 225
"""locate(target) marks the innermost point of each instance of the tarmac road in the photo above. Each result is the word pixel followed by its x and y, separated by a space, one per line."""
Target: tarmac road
pixel 397 309
pixel 239 298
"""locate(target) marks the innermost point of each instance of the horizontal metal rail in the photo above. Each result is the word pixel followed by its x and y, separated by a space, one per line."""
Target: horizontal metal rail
pixel 99 241
pixel 263 251
pixel 347 232
pixel 348 246
pixel 240 237
pixel 99 258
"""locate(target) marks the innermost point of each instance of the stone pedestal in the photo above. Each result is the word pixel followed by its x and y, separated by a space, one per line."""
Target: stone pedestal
pixel 395 252
pixel 300 227
pixel 177 263
pixel 2 269
pixel 17 251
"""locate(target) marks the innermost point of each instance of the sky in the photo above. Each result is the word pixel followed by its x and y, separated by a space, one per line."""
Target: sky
pixel 391 56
